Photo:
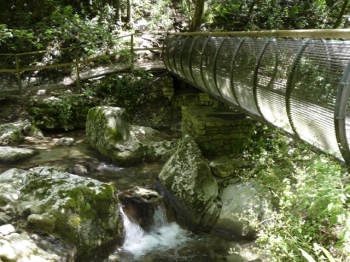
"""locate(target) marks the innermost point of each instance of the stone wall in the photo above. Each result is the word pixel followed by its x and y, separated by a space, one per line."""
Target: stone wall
pixel 192 99
pixel 217 133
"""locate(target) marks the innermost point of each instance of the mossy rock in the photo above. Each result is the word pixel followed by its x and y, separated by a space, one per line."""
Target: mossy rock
pixel 84 212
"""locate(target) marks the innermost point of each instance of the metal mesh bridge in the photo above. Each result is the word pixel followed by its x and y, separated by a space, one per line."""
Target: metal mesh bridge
pixel 300 85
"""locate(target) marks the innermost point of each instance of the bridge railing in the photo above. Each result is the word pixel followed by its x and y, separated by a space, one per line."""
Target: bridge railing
pixel 298 81
pixel 76 58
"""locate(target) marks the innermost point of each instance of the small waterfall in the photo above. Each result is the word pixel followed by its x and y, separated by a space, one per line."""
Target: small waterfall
pixel 163 236
pixel 159 217
pixel 133 233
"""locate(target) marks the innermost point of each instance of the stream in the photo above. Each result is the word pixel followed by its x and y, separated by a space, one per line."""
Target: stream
pixel 164 242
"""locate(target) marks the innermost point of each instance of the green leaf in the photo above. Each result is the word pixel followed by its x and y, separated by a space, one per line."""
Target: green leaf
pixel 307 256
pixel 326 252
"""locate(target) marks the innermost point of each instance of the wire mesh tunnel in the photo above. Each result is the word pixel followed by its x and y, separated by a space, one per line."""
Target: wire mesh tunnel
pixel 300 86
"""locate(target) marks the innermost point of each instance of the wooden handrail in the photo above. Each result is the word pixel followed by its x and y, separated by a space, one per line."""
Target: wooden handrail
pixel 300 33
pixel 18 69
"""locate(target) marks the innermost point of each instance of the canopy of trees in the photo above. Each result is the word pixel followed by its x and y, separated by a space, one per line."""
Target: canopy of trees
pixel 27 25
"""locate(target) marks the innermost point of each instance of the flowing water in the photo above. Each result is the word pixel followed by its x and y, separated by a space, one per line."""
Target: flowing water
pixel 162 238
pixel 163 242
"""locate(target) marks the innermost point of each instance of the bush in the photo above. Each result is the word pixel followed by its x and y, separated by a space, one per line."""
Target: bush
pixel 311 196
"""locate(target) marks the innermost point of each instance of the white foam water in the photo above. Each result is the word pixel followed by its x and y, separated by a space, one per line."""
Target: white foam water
pixel 162 236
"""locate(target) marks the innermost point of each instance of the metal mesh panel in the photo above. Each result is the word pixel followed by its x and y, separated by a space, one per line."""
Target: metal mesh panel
pixel 223 68
pixel 177 56
pixel 208 64
pixel 300 86
pixel 185 57
pixel 166 51
pixel 196 61
pixel 272 81
pixel 171 51
pixel 340 57
pixel 244 66
pixel 312 100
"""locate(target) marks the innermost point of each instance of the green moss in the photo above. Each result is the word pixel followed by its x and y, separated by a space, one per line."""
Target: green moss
pixel 106 193
pixel 75 221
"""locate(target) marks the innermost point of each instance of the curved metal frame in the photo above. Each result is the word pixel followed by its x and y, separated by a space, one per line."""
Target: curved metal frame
pixel 340 114
pixel 190 60
pixel 181 62
pixel 176 43
pixel 341 99
pixel 290 82
pixel 231 70
pixel 215 66
pixel 201 63
pixel 255 75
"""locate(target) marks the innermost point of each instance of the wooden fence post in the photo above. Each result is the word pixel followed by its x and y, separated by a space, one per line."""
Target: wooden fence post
pixel 132 50
pixel 18 68
pixel 77 69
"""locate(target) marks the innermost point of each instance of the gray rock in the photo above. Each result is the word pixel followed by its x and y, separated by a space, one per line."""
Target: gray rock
pixel 7 229
pixel 82 211
pixel 139 204
pixel 244 205
pixel 12 133
pixel 23 247
pixel 187 176
pixel 14 154
pixel 110 132
pixel 32 131
pixel 225 167
pixel 65 141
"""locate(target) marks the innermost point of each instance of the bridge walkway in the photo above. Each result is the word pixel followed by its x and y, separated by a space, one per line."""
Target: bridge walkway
pixel 300 84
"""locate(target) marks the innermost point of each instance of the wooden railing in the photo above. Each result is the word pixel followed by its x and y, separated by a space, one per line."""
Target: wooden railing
pixel 76 62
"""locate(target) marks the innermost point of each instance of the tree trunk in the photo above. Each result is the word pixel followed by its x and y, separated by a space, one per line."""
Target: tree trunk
pixel 197 17
pixel 340 16
pixel 117 10
pixel 128 11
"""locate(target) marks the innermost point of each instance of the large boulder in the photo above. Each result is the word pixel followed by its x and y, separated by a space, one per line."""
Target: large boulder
pixel 110 132
pixel 83 212
pixel 187 176
pixel 22 246
pixel 244 206
pixel 14 154
pixel 139 204
pixel 13 133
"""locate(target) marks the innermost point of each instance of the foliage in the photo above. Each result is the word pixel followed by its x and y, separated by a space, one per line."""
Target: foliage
pixel 63 27
pixel 320 251
pixel 265 14
pixel 127 91
pixel 68 111
pixel 158 14
pixel 312 199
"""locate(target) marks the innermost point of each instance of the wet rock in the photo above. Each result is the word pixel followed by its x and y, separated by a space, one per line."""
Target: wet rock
pixel 14 154
pixel 187 176
pixel 12 133
pixel 32 131
pixel 244 206
pixel 225 167
pixel 110 132
pixel 81 211
pixel 65 141
pixel 22 246
pixel 139 204
pixel 7 229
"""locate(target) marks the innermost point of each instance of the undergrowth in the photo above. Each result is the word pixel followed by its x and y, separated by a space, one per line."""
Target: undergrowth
pixel 311 191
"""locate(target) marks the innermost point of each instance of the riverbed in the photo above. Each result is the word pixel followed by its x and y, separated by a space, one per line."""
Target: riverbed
pixel 168 242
